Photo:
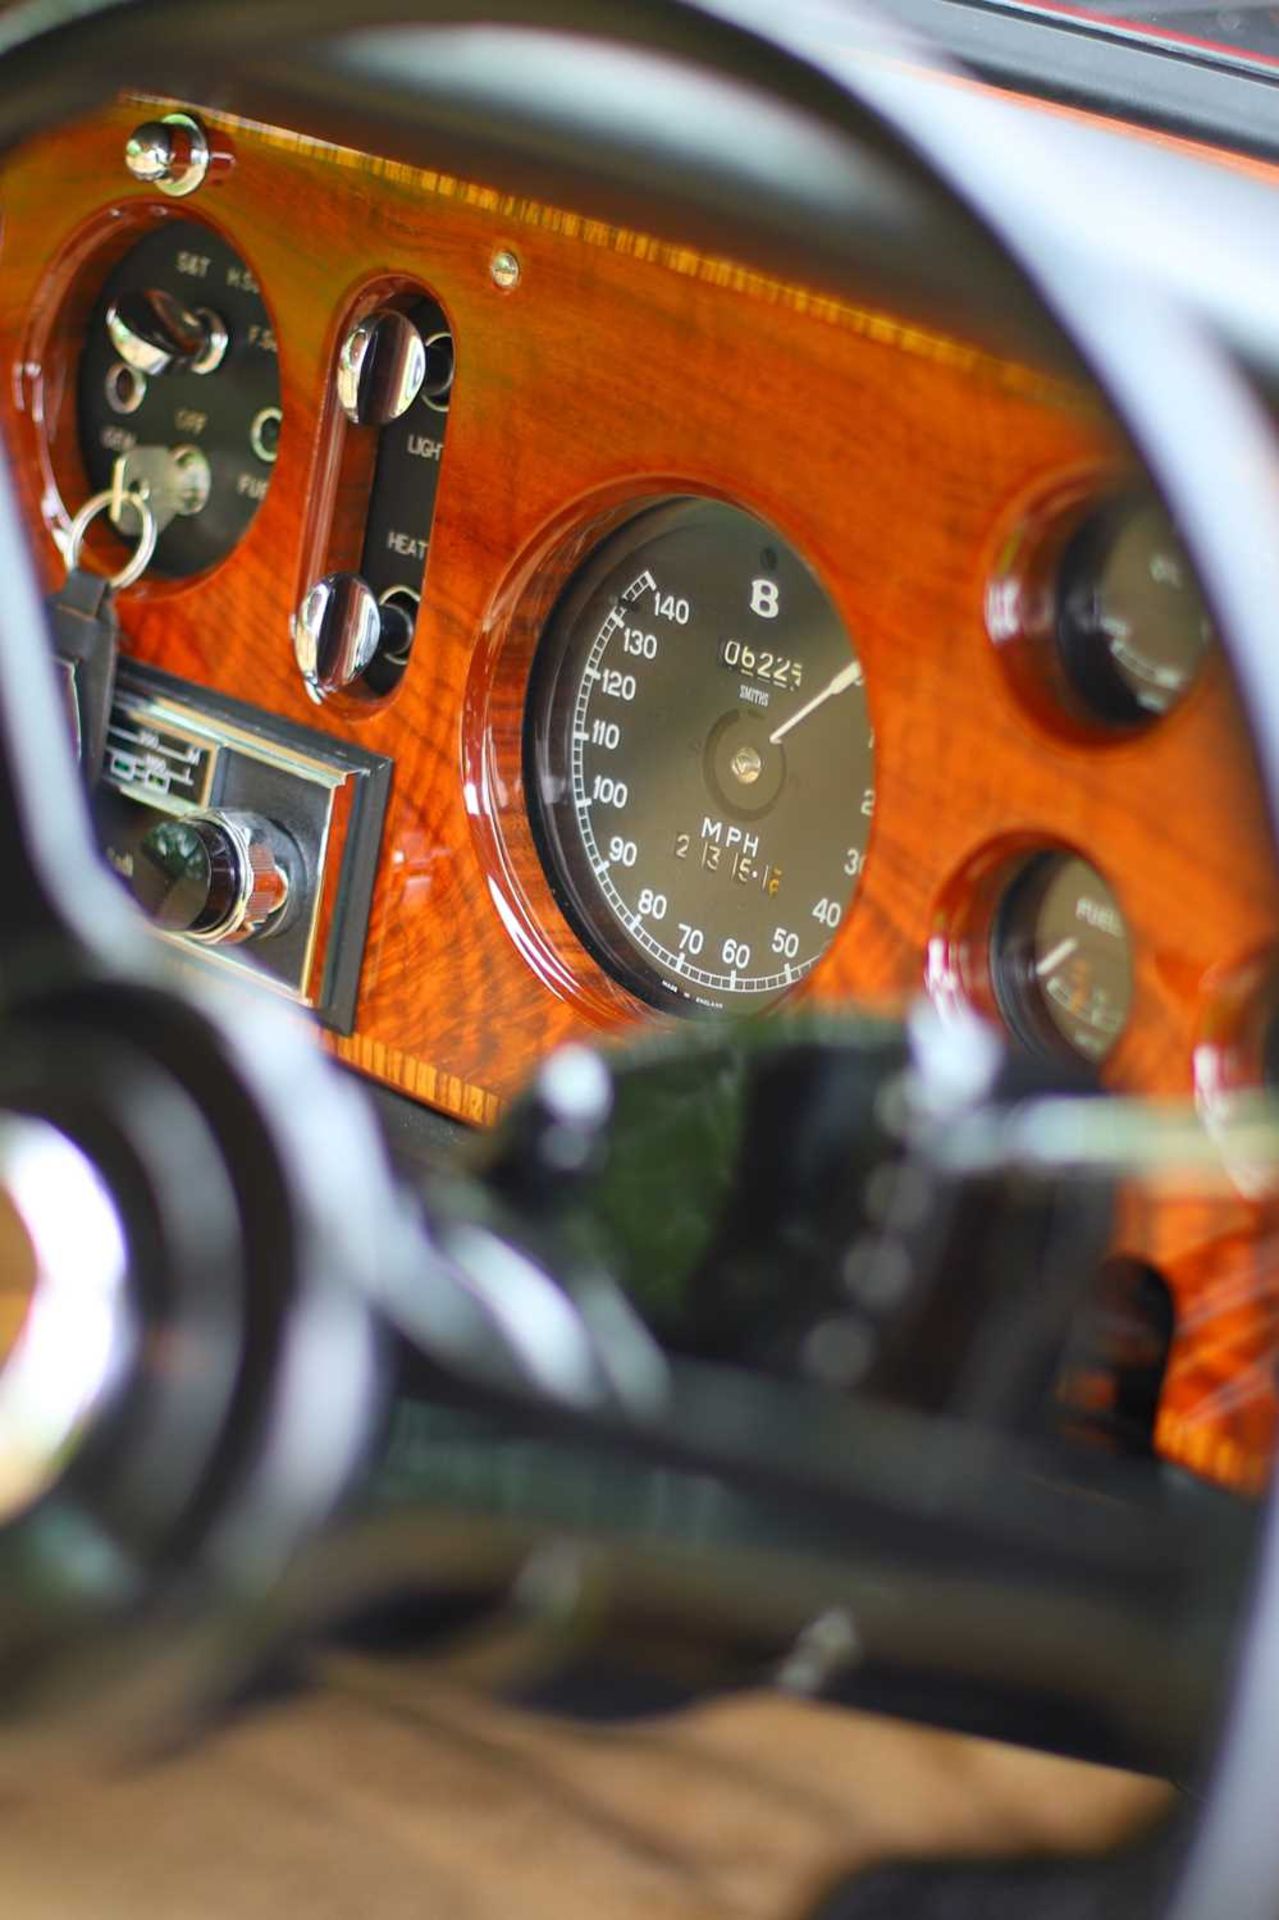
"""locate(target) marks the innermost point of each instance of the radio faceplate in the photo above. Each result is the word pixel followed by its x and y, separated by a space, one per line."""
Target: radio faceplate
pixel 176 750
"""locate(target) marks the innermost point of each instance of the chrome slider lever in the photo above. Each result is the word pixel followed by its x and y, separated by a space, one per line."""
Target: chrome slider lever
pixel 347 641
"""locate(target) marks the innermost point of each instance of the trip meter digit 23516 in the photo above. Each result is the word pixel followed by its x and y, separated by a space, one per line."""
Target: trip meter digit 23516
pixel 699 759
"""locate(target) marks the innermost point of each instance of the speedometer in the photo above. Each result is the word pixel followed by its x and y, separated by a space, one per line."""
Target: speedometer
pixel 699 759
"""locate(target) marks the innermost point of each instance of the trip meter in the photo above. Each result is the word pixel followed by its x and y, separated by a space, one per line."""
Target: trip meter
pixel 699 759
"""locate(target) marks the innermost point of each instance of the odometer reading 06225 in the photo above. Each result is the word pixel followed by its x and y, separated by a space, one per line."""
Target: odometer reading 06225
pixel 698 758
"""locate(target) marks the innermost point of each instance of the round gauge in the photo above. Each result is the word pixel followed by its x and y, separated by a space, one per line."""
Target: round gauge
pixel 1132 626
pixel 1061 958
pixel 698 758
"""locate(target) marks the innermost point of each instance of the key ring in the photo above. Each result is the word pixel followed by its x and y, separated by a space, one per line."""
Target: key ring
pixel 134 568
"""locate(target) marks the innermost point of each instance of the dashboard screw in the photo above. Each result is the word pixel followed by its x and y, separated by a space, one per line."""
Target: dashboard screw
pixel 505 269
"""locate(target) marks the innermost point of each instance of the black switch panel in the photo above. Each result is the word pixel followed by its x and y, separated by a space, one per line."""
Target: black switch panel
pixel 407 474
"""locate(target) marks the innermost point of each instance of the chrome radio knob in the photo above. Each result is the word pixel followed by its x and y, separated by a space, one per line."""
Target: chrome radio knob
pixel 216 877
pixel 155 333
pixel 347 641
pixel 381 367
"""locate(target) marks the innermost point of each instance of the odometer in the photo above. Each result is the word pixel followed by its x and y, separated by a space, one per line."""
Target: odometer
pixel 698 758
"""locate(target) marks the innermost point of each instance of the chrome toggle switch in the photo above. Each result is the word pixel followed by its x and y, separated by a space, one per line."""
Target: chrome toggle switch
pixel 171 154
pixel 155 333
pixel 347 641
pixel 381 367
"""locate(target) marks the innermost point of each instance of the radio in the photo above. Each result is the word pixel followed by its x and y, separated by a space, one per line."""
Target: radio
pixel 250 842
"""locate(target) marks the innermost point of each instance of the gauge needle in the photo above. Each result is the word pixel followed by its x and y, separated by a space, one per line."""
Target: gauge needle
pixel 849 676
pixel 1051 961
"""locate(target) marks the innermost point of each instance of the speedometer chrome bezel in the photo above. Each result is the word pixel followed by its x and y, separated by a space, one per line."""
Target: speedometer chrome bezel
pixel 492 758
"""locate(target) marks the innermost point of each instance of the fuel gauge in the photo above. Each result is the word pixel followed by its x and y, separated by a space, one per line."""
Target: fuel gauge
pixel 1061 958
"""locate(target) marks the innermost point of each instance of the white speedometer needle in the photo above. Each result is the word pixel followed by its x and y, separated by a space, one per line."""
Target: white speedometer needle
pixel 849 676
pixel 1051 961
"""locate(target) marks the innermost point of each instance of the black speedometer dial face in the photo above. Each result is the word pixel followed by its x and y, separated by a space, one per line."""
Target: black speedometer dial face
pixel 698 758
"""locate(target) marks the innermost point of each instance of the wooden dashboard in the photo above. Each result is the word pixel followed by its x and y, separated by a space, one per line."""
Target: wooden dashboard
pixel 906 467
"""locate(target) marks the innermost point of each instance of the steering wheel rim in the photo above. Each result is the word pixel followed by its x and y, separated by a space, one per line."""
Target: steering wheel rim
pixel 1215 468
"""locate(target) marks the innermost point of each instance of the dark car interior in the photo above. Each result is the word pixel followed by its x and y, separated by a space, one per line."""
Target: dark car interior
pixel 639 760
